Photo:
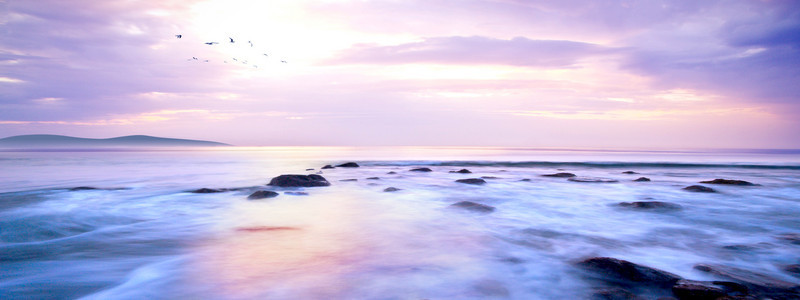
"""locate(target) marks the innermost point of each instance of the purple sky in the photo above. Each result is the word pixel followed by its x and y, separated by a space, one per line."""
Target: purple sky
pixel 526 73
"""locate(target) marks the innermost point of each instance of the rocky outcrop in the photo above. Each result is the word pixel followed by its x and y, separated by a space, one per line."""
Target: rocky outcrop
pixel 560 175
pixel 262 195
pixel 729 182
pixel 651 205
pixel 625 273
pixel 642 179
pixel 629 172
pixel 472 181
pixel 348 165
pixel 761 285
pixel 391 189
pixel 700 290
pixel 292 180
pixel 328 167
pixel 462 171
pixel 699 189
pixel 391 173
pixel 421 170
pixel 472 206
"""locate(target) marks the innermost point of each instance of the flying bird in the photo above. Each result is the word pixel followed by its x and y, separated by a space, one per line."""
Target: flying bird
pixel 266 55
pixel 234 59
pixel 231 39
pixel 195 58
pixel 178 35
pixel 251 43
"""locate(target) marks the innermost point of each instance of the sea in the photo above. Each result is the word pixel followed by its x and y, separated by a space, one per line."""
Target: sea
pixel 140 233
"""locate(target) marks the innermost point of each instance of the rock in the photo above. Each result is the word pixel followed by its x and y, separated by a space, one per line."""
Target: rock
pixel 391 189
pixel 700 290
pixel 347 180
pixel 262 195
pixel 614 294
pixel 471 181
pixel 328 167
pixel 759 284
pixel 629 172
pixel 462 171
pixel 560 175
pixel 699 189
pixel 525 179
pixel 296 193
pixel 729 181
pixel 655 205
pixel 592 180
pixel 626 273
pixel 391 173
pixel 421 170
pixel 312 169
pixel 793 270
pixel 83 188
pixel 793 238
pixel 206 191
pixel 641 179
pixel 348 165
pixel 373 178
pixel 292 180
pixel 472 206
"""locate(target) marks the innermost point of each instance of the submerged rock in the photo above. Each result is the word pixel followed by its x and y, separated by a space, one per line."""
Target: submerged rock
pixel 292 180
pixel 421 170
pixel 206 191
pixel 592 180
pixel 629 172
pixel 349 180
pixel 310 169
pixel 560 175
pixel 623 272
pixel 328 167
pixel 471 181
pixel 348 165
pixel 525 179
pixel 391 173
pixel 793 270
pixel 391 189
pixel 793 238
pixel 642 179
pixel 462 171
pixel 373 178
pixel 699 189
pixel 654 205
pixel 759 284
pixel 472 206
pixel 729 182
pixel 691 289
pixel 262 195
pixel 83 188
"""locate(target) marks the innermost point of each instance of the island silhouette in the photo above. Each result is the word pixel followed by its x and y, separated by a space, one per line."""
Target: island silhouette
pixel 61 141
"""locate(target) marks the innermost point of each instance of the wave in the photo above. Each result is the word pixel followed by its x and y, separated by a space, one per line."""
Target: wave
pixel 552 164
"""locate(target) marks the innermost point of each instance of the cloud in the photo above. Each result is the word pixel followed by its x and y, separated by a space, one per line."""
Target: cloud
pixel 518 51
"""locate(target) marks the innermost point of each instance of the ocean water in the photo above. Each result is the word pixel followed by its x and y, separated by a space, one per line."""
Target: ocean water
pixel 141 235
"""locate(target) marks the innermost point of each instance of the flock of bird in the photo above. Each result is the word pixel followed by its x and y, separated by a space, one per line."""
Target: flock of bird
pixel 232 41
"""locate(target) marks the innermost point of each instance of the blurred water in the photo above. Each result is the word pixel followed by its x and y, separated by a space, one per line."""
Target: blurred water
pixel 142 236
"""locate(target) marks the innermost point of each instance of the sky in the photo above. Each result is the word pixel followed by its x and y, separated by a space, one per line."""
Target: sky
pixel 514 73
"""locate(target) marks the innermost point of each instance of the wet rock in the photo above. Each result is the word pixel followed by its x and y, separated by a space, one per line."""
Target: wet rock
pixel 348 165
pixel 629 172
pixel 699 189
pixel 793 270
pixel 391 189
pixel 421 170
pixel 729 182
pixel 296 193
pixel 83 188
pixel 626 273
pixel 328 167
pixel 614 294
pixel 391 172
pixel 462 171
pixel 759 284
pixel 349 180
pixel 311 169
pixel 472 181
pixel 560 175
pixel 525 179
pixel 292 180
pixel 701 290
pixel 206 191
pixel 793 238
pixel 592 180
pixel 373 178
pixel 472 206
pixel 652 205
pixel 641 179
pixel 262 195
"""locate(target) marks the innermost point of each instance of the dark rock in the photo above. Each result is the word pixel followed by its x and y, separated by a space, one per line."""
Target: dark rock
pixel 421 170
pixel 373 178
pixel 699 189
pixel 627 273
pixel 296 193
pixel 525 179
pixel 655 205
pixel 391 189
pixel 641 179
pixel 592 180
pixel 348 165
pixel 206 191
pixel 471 181
pixel 614 294
pixel 328 167
pixel 793 238
pixel 759 284
pixel 83 188
pixel 729 181
pixel 262 195
pixel 701 290
pixel 462 171
pixel 793 270
pixel 347 180
pixel 477 207
pixel 310 169
pixel 391 172
pixel 560 175
pixel 629 172
pixel 291 180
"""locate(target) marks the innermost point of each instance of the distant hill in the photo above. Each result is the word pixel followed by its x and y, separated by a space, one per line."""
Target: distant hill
pixel 62 141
